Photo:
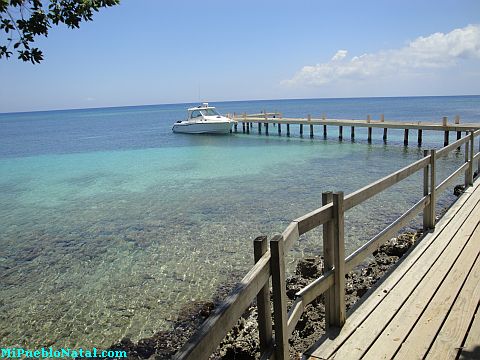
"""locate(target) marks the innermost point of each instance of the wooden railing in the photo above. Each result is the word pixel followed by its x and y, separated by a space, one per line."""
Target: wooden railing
pixel 271 262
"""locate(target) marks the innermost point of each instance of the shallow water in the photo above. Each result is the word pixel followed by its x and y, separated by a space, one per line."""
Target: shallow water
pixel 111 223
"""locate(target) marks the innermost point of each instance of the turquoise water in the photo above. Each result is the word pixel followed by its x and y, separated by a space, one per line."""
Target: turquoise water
pixel 111 223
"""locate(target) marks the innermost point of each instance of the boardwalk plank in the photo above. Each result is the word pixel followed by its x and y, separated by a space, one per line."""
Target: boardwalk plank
pixel 471 347
pixel 453 331
pixel 402 307
pixel 329 343
pixel 401 324
pixel 421 337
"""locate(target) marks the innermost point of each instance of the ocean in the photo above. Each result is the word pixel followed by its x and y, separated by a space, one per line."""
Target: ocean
pixel 111 224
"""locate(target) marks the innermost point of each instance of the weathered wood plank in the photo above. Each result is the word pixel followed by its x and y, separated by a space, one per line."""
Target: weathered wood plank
pixel 264 318
pixel 453 331
pixel 294 315
pixel 359 196
pixel 470 162
pixel 453 146
pixel 471 346
pixel 426 191
pixel 428 324
pixel 433 191
pixel 328 261
pixel 279 298
pixel 449 180
pixel 339 259
pixel 316 287
pixel 314 218
pixel 290 235
pixel 359 255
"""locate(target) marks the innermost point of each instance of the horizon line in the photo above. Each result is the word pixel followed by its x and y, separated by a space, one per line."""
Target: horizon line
pixel 229 101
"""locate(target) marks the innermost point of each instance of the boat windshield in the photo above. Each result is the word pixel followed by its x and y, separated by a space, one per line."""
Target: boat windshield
pixel 210 112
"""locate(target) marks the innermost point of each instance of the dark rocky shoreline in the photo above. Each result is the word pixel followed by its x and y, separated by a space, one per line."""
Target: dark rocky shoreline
pixel 242 341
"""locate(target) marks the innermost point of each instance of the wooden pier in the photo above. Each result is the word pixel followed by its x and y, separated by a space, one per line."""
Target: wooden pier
pixel 428 305
pixel 276 119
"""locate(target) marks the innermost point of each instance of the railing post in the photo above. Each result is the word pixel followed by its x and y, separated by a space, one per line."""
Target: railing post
pixel 339 258
pixel 426 210
pixel 263 300
pixel 433 185
pixel 279 297
pixel 470 165
pixel 467 159
pixel 328 261
pixel 478 161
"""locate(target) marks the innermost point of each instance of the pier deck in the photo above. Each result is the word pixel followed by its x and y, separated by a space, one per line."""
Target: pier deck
pixel 429 306
pixel 277 120
pixel 415 125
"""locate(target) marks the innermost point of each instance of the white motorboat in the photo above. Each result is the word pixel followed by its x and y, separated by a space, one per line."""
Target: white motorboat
pixel 203 119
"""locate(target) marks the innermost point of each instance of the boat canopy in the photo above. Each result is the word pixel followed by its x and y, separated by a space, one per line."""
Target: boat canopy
pixel 201 107
pixel 202 110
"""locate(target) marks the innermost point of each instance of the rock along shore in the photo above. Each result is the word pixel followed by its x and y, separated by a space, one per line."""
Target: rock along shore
pixel 242 341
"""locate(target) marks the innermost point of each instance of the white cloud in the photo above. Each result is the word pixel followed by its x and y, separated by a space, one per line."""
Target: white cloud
pixel 340 55
pixel 435 51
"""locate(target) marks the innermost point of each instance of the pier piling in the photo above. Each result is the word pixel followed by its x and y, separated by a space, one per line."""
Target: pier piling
pixel 324 127
pixel 445 138
pixel 405 138
pixel 352 133
pixel 340 132
pixel 369 129
pixel 309 119
pixel 457 121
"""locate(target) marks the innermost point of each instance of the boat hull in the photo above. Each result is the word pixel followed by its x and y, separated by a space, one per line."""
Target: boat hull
pixel 218 127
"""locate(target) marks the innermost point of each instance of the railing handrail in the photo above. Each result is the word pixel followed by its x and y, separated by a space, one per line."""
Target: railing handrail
pixel 224 317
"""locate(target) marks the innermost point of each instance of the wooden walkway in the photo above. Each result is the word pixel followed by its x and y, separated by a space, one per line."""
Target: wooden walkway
pixel 276 119
pixel 429 306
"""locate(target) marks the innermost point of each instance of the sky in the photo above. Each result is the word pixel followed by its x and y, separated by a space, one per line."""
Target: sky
pixel 158 52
